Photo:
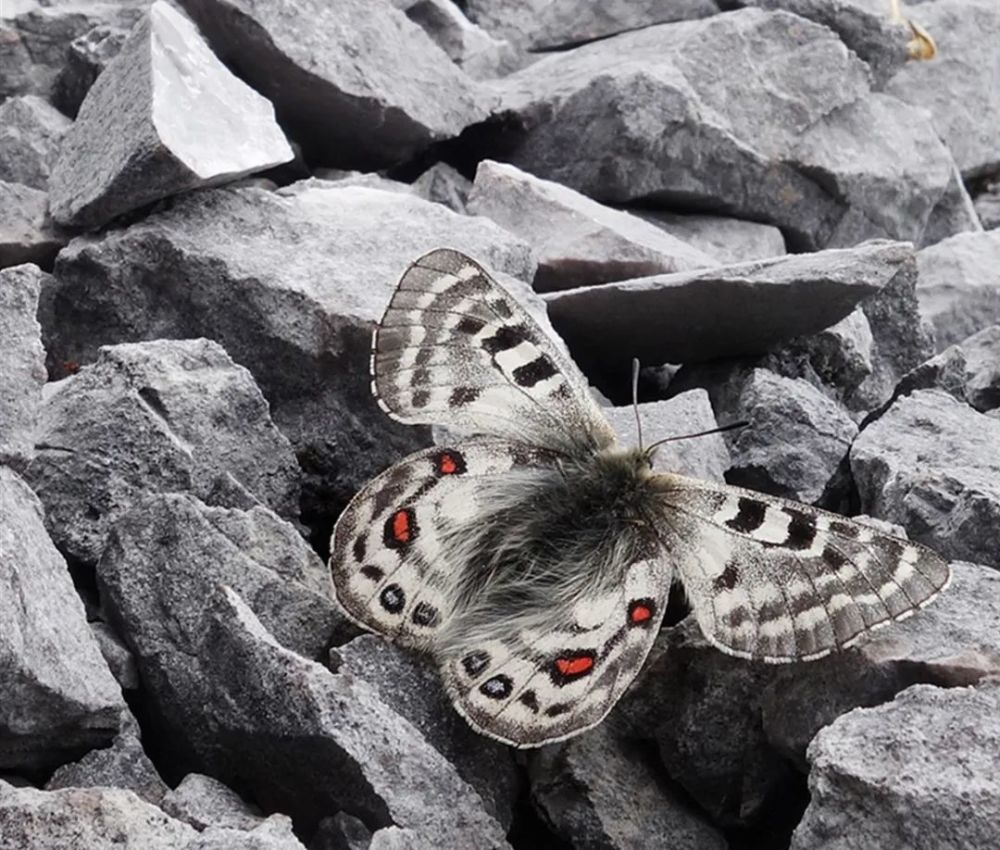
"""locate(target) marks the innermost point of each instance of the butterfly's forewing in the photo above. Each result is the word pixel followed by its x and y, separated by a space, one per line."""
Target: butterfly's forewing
pixel 778 581
pixel 542 677
pixel 395 562
pixel 455 349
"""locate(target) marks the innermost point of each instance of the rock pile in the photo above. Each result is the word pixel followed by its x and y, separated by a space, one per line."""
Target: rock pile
pixel 204 207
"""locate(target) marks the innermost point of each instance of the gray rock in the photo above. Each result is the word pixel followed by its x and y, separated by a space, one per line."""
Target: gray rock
pixel 170 552
pixel 162 416
pixel 729 240
pixel 442 184
pixel 275 833
pixel 578 241
pixel 334 75
pixel 954 213
pixel 120 660
pixel 932 464
pixel 959 87
pixel 512 20
pixel 86 58
pixel 567 22
pixel 600 792
pixel 59 698
pixel 23 374
pixel 180 118
pixel 683 119
pixel 203 802
pixel 342 832
pixel 291 285
pixel 688 413
pixel 30 132
pixel 959 285
pixel 411 687
pixel 124 765
pixel 842 355
pixel 968 370
pixel 473 49
pixel 865 26
pixel 734 310
pixel 26 233
pixel 34 38
pixel 917 772
pixel 734 734
pixel 987 204
pixel 796 440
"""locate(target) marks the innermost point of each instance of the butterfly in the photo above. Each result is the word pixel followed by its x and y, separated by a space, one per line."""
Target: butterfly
pixel 533 558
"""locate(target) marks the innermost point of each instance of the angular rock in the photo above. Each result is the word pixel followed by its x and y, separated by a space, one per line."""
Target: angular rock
pixel 987 204
pixel 59 698
pixel 508 19
pixel 688 413
pixel 796 439
pixel 954 213
pixel 562 23
pixel 959 285
pixel 735 310
pixel 26 233
pixel 203 802
pixel 734 734
pixel 301 739
pixel 30 132
pixel 729 240
pixel 599 791
pixel 412 688
pixel 968 370
pixel 34 39
pixel 122 765
pixel 683 119
pixel 180 119
pixel 86 58
pixel 161 416
pixel 864 26
pixel 349 82
pixel 842 355
pixel 442 184
pixel 120 661
pixel 958 88
pixel 23 374
pixel 920 769
pixel 291 285
pixel 932 464
pixel 578 241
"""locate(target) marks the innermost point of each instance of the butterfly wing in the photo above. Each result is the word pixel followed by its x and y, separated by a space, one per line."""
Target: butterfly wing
pixel 551 677
pixel 778 581
pixel 455 349
pixel 394 564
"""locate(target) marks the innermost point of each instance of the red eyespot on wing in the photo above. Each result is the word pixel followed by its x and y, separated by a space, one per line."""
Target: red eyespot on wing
pixel 640 611
pixel 400 528
pixel 447 465
pixel 572 665
pixel 449 462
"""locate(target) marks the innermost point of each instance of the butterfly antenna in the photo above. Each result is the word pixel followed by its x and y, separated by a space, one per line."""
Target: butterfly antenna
pixel 635 398
pixel 731 427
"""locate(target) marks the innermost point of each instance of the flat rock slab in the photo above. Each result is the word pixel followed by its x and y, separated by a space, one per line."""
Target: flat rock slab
pixel 599 791
pixel 27 235
pixel 59 697
pixel 728 240
pixel 919 771
pixel 291 285
pixel 161 416
pixel 959 285
pixel 932 464
pixel 23 374
pixel 30 132
pixel 350 82
pixel 203 802
pixel 761 115
pixel 959 88
pixel 730 311
pixel 180 120
pixel 579 242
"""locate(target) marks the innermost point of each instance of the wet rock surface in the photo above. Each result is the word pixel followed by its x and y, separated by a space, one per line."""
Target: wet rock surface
pixel 205 206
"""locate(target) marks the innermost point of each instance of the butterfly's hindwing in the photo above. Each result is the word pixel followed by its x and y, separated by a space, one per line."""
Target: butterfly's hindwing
pixel 778 581
pixel 455 349
pixel 392 570
pixel 534 685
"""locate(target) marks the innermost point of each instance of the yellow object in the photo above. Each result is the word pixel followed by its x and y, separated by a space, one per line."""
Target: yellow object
pixel 921 45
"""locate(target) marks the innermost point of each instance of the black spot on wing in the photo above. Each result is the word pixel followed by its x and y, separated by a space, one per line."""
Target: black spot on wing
pixel 833 557
pixel 360 548
pixel 749 517
pixel 425 615
pixel 497 687
pixel 728 578
pixel 461 396
pixel 843 528
pixel 371 572
pixel 475 662
pixel 801 529
pixel 506 337
pixel 529 699
pixel 420 398
pixel 534 372
pixel 469 325
pixel 392 598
